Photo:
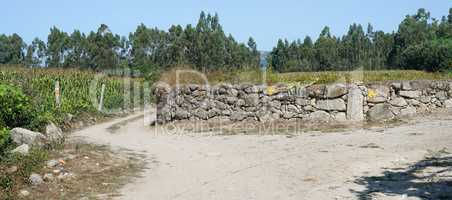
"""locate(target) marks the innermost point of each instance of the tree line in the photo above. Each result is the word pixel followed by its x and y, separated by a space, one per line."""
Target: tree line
pixel 204 47
pixel 421 42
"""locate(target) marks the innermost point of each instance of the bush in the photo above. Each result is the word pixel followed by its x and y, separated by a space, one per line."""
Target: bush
pixel 16 108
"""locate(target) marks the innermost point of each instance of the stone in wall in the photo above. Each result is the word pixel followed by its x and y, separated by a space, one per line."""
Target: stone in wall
pixel 380 112
pixel 316 102
pixel 377 93
pixel 355 105
pixel 331 105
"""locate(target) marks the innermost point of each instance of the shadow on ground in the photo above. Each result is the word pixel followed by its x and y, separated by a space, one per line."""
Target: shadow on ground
pixel 430 178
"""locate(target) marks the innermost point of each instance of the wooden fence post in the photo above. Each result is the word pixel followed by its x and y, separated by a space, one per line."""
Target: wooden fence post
pixel 101 102
pixel 57 94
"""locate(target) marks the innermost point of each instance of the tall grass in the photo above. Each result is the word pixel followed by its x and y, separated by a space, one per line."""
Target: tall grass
pixel 74 88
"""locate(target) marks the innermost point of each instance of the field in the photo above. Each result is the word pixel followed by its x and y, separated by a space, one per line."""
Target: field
pixel 257 76
pixel 75 93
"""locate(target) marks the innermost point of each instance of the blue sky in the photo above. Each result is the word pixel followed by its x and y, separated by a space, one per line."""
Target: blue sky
pixel 265 20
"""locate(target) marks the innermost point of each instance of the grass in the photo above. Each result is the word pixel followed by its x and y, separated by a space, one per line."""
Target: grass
pixel 257 76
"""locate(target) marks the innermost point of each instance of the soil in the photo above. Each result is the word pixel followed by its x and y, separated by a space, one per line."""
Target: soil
pixel 409 160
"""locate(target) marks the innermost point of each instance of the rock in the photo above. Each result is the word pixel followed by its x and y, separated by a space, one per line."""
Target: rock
pixel 399 102
pixel 35 179
pixel 377 94
pixel 448 103
pixel 48 177
pixel 23 136
pixel 422 108
pixel 11 170
pixel 265 116
pixel 380 112
pixel 310 108
pixel 301 101
pixel 65 175
pixel 355 102
pixel 396 86
pixel 316 91
pixel 251 100
pixel 289 115
pixel 320 116
pixel 181 114
pixel 231 100
pixel 251 89
pixel 410 94
pixel 24 193
pixel 335 91
pixel 407 112
pixel 292 109
pixel 441 95
pixel 238 115
pixel 340 117
pixel 54 133
pixel 406 85
pixel 240 102
pixel 413 102
pixel 22 149
pixel 330 105
pixel 425 99
pixel 51 163
pixel 201 114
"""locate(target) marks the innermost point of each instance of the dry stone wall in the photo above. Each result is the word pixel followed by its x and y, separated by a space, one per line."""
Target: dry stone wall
pixel 336 102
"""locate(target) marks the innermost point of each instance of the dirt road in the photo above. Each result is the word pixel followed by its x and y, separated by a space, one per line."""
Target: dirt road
pixel 308 166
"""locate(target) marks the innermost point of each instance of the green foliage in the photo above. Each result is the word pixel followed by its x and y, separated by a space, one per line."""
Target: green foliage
pixel 75 92
pixel 4 140
pixel 419 43
pixel 435 55
pixel 17 109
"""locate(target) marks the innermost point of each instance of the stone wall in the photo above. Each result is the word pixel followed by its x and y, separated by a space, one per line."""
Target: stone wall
pixel 338 102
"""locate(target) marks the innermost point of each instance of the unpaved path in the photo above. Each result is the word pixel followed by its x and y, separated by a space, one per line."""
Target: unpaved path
pixel 236 167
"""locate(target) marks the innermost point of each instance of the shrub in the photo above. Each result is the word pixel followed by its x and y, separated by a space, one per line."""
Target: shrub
pixel 16 108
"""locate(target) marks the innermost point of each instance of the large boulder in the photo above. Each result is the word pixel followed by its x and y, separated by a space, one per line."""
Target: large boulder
pixel 54 133
pixel 380 112
pixel 335 91
pixel 331 105
pixel 23 136
pixel 355 103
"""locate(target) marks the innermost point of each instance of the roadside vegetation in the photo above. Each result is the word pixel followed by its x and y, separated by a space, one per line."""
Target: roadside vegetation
pixel 27 100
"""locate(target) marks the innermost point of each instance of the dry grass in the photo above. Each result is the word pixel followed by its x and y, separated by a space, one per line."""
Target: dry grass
pixel 257 76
